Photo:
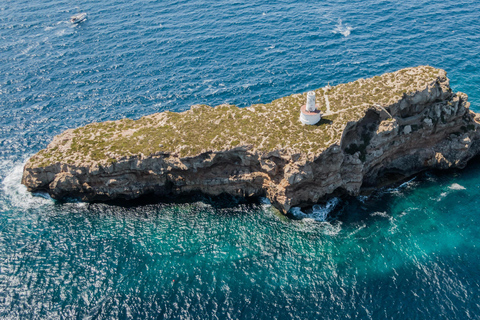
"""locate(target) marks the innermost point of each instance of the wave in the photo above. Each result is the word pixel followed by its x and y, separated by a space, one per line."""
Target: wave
pixel 403 186
pixel 342 29
pixel 16 193
pixel 456 186
pixel 380 214
pixel 452 188
pixel 319 212
pixel 392 190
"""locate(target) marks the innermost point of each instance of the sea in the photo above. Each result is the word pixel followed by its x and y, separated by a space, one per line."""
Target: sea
pixel 409 251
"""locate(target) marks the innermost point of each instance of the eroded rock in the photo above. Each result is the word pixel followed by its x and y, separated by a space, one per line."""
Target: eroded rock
pixel 430 127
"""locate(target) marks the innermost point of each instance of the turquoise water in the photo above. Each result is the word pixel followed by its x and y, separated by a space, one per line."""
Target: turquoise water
pixel 409 252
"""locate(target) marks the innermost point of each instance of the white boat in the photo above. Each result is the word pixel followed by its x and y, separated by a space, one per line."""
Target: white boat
pixel 78 17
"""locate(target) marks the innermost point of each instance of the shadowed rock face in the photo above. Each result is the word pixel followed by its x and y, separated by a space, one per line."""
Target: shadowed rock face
pixel 429 127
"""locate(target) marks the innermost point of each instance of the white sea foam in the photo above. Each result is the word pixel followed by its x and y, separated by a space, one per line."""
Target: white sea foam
pixel 332 229
pixel 456 186
pixel 362 199
pixel 29 48
pixel 407 183
pixel 404 185
pixel 453 187
pixel 312 225
pixel 342 29
pixel 393 227
pixel 60 32
pixel 319 212
pixel 16 193
pixel 380 214
pixel 441 196
pixel 395 191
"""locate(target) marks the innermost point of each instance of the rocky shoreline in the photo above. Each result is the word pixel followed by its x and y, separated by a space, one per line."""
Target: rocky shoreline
pixel 419 125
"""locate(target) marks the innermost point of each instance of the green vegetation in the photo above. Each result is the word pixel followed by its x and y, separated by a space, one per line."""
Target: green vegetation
pixel 265 127
pixel 384 90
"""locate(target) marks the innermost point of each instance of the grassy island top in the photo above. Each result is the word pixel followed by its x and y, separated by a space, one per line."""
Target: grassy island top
pixel 265 127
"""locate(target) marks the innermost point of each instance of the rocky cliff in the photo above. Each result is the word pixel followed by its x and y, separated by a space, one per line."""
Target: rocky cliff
pixel 374 132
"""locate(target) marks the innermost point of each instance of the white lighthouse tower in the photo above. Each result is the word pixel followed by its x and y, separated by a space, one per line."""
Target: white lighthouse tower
pixel 309 114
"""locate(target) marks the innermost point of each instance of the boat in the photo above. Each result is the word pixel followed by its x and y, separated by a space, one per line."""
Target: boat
pixel 78 18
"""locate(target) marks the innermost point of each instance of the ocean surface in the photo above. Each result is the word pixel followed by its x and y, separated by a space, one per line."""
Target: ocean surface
pixel 409 252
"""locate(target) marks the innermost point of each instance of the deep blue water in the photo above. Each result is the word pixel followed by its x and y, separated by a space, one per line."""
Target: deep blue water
pixel 404 253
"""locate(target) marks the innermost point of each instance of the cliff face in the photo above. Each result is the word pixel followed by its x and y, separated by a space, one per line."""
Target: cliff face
pixel 370 145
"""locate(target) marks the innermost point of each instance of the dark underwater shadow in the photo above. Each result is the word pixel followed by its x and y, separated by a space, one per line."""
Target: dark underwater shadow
pixel 223 204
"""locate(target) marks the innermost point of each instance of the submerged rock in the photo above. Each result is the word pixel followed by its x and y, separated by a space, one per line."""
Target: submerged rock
pixel 373 132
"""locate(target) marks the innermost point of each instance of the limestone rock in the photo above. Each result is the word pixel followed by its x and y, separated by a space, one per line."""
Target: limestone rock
pixel 378 143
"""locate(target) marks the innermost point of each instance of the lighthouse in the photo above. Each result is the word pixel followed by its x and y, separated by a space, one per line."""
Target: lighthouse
pixel 309 114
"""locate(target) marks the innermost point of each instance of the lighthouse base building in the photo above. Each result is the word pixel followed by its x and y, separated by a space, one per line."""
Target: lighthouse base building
pixel 309 114
pixel 309 117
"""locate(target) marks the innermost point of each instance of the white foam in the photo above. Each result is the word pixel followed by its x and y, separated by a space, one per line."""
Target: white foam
pixel 16 193
pixel 440 197
pixel 452 187
pixel 380 214
pixel 406 184
pixel 342 29
pixel 319 212
pixel 60 32
pixel 456 186
pixel 332 229
pixel 402 186
pixel 362 199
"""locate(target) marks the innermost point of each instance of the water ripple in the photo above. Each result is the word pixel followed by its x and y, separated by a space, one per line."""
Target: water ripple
pixel 408 252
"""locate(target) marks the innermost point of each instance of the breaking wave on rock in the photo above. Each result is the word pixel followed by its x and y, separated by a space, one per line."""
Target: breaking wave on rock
pixel 318 212
pixel 16 194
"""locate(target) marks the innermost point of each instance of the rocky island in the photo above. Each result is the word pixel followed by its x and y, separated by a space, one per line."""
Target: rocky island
pixel 373 132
